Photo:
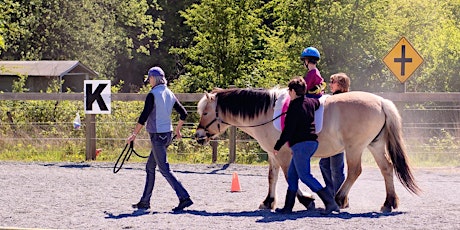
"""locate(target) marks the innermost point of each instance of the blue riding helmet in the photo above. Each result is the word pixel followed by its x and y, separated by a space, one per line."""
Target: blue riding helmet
pixel 154 71
pixel 310 52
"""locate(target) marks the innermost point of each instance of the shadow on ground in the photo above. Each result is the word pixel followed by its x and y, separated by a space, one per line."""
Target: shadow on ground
pixel 268 216
pixel 135 213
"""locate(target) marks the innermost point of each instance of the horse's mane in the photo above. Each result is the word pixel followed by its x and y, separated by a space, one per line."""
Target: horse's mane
pixel 246 103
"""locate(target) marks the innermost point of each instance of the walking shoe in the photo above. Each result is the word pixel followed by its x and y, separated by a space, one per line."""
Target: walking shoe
pixel 183 203
pixel 141 205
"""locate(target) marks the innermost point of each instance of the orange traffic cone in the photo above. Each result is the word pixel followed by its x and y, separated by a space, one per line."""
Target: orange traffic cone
pixel 235 183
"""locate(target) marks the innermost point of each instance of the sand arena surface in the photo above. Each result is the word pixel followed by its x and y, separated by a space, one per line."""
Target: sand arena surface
pixel 90 196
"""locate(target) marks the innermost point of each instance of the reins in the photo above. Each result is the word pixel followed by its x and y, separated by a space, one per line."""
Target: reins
pixel 251 126
pixel 238 126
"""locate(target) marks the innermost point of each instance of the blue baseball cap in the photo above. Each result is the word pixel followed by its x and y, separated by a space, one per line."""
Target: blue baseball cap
pixel 154 71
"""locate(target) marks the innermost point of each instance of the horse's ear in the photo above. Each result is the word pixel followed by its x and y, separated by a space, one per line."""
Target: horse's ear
pixel 216 89
pixel 210 96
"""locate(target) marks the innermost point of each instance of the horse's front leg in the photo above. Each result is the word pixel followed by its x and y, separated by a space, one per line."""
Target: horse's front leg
pixel 273 172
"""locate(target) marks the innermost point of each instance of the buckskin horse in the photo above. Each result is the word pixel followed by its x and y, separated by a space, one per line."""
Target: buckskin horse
pixel 352 121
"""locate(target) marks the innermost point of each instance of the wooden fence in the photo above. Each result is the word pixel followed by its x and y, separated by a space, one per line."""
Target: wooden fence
pixel 195 97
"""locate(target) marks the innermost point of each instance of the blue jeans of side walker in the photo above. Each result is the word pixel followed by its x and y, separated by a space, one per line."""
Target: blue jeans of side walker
pixel 158 157
pixel 332 169
pixel 300 166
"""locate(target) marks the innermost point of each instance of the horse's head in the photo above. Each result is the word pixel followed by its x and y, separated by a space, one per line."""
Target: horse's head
pixel 210 125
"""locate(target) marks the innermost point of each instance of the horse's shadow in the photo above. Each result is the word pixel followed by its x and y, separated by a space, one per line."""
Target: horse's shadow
pixel 268 216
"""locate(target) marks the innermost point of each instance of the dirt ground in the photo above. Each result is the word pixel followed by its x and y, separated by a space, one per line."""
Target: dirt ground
pixel 89 195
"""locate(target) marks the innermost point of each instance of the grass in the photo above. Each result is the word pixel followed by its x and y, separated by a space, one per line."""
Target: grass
pixel 200 155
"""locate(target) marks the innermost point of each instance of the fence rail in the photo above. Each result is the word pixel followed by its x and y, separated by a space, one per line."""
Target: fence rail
pixel 195 97
pixel 90 121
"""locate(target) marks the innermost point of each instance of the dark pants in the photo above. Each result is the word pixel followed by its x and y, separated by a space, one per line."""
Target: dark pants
pixel 332 169
pixel 158 157
pixel 300 166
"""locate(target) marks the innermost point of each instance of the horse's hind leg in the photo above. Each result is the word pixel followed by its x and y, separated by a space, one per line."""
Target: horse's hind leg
pixel 353 157
pixel 306 199
pixel 386 168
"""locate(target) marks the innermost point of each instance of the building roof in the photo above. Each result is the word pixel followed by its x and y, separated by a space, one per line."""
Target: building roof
pixel 44 68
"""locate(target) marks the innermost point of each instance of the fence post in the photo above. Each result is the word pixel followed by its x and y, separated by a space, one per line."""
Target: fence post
pixel 232 141
pixel 214 151
pixel 90 137
pixel 232 145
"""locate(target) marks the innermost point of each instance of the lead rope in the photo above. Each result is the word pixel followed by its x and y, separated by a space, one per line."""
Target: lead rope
pixel 126 155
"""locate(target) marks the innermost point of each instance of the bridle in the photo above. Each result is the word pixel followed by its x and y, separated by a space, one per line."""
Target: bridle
pixel 205 128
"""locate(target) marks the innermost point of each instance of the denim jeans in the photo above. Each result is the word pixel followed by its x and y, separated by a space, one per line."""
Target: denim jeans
pixel 332 169
pixel 158 157
pixel 300 166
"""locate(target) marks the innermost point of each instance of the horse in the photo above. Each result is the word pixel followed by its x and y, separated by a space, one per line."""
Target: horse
pixel 352 122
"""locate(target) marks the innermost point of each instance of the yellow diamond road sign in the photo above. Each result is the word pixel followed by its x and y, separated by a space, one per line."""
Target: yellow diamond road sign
pixel 403 60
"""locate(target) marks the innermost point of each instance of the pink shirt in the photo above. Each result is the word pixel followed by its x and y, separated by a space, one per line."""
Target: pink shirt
pixel 313 78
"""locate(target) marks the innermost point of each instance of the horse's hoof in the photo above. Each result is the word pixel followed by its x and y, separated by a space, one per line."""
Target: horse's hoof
pixel 268 204
pixel 343 203
pixel 263 207
pixel 312 206
pixel 385 209
pixel 308 202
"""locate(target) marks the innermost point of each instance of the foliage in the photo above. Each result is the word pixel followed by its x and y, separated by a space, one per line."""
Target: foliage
pixel 243 43
pixel 226 44
pixel 104 35
pixel 205 44
pixel 352 36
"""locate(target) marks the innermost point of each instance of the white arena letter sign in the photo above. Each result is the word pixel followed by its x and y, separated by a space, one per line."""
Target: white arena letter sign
pixel 97 96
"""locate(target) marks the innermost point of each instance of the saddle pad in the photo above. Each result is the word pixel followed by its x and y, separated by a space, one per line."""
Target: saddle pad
pixel 282 105
pixel 319 113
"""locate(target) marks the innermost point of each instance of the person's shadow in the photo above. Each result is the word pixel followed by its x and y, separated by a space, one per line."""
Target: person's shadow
pixel 135 213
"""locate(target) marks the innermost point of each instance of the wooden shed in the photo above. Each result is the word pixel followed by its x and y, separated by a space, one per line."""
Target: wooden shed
pixel 40 74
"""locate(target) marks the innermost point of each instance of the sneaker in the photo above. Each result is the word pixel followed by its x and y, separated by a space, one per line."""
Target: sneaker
pixel 141 205
pixel 183 203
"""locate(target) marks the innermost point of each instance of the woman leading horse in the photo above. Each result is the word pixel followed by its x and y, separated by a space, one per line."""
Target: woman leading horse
pixel 352 122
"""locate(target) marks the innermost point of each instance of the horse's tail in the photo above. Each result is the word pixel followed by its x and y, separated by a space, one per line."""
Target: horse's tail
pixel 396 148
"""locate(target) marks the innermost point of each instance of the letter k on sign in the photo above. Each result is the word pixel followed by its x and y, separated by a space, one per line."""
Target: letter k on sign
pixel 97 101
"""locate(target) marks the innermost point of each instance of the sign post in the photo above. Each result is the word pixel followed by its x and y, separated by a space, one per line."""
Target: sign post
pixel 97 100
pixel 403 60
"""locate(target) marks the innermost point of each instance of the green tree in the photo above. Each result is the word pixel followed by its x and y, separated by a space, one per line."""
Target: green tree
pixel 105 35
pixel 343 31
pixel 226 44
pixel 434 30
